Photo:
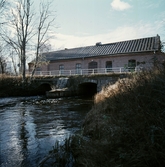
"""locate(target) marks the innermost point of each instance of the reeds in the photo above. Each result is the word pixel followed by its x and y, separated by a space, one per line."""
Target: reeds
pixel 60 156
pixel 126 126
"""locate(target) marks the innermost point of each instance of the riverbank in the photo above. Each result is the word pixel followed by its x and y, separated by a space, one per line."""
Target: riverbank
pixel 126 125
pixel 12 86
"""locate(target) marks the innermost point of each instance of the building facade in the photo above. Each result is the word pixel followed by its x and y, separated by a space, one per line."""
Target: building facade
pixel 130 54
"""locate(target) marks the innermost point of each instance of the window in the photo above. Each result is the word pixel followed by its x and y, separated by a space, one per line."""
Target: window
pixel 61 69
pixel 109 66
pixel 93 66
pixel 78 68
pixel 131 64
pixel 38 69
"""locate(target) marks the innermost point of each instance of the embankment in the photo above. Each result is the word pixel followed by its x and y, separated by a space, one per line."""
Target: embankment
pixel 13 86
pixel 126 126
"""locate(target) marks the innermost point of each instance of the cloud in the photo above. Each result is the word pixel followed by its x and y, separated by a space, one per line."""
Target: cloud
pixel 121 33
pixel 120 5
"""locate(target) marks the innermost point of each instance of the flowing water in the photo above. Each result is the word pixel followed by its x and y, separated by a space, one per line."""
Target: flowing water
pixel 30 127
pixel 61 83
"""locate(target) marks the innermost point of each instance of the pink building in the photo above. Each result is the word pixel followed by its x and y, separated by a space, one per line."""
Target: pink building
pixel 131 53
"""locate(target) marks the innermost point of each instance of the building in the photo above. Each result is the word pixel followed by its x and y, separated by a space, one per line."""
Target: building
pixel 128 54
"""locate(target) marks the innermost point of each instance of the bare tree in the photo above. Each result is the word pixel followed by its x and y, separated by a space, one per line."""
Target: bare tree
pixel 2 65
pixel 46 20
pixel 2 2
pixel 13 61
pixel 25 31
pixel 2 5
pixel 3 60
pixel 20 25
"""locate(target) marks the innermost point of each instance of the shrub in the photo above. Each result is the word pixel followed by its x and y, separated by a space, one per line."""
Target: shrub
pixel 126 126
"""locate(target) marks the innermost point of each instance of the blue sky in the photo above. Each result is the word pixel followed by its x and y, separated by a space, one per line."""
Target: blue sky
pixel 85 22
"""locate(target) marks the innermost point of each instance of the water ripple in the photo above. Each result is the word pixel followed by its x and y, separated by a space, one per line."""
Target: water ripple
pixel 29 130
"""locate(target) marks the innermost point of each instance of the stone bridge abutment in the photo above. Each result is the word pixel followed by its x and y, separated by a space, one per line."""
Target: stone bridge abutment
pixel 76 85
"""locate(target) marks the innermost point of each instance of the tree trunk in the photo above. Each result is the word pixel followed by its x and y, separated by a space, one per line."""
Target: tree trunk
pixel 2 66
pixel 35 65
pixel 23 64
pixel 24 69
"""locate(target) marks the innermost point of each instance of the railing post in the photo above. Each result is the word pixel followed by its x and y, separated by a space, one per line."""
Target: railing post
pixel 93 71
pixel 81 72
pixel 70 72
pixel 120 69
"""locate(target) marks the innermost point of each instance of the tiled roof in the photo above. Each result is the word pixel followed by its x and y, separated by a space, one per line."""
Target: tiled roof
pixel 124 47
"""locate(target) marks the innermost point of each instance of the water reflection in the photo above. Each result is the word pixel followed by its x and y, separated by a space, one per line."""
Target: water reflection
pixel 28 130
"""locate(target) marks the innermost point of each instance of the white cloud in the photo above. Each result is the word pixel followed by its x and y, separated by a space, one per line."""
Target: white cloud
pixel 120 5
pixel 140 30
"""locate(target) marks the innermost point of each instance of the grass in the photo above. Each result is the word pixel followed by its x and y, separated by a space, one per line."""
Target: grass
pixel 126 126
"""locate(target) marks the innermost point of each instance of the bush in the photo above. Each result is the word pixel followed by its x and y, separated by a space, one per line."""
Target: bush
pixel 13 86
pixel 126 126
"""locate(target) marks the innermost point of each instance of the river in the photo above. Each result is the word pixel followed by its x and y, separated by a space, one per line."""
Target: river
pixel 30 127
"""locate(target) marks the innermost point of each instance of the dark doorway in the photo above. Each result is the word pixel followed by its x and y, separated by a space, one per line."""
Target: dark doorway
pixel 88 89
pixel 41 90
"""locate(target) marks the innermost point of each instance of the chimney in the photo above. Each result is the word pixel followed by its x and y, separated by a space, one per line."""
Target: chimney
pixel 98 44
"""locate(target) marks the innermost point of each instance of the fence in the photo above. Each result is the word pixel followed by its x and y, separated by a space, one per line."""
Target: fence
pixel 87 71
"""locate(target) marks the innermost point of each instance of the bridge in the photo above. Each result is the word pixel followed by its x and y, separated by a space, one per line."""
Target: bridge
pixel 78 84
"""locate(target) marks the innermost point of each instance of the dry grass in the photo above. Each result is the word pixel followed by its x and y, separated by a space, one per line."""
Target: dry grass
pixel 126 126
pixel 13 86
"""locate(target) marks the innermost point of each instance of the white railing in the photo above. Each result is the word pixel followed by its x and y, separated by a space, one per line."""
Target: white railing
pixel 87 71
